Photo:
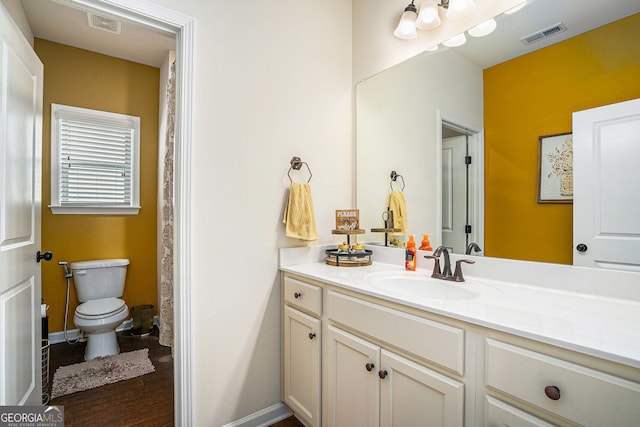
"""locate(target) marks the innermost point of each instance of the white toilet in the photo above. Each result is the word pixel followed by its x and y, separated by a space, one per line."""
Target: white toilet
pixel 99 286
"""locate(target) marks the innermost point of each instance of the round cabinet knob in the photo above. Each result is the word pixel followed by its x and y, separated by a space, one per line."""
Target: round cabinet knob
pixel 297 295
pixel 382 374
pixel 581 247
pixel 552 392
pixel 312 335
pixel 370 366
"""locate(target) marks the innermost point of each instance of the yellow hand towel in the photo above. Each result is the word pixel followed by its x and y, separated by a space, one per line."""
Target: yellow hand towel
pixel 398 205
pixel 299 216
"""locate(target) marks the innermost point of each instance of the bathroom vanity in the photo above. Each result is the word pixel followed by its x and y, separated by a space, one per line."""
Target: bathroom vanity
pixel 379 345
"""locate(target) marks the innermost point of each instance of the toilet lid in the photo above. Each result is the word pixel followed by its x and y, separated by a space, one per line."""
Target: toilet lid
pixel 100 307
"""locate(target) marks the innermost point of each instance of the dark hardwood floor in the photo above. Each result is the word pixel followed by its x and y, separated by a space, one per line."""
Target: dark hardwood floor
pixel 142 401
pixel 289 422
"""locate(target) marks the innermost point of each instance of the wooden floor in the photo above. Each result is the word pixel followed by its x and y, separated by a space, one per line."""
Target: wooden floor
pixel 142 401
pixel 289 422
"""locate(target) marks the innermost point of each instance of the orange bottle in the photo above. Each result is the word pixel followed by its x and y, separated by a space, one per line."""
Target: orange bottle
pixel 410 254
pixel 426 245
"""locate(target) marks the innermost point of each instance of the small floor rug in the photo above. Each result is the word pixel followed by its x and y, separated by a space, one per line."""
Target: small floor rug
pixel 100 371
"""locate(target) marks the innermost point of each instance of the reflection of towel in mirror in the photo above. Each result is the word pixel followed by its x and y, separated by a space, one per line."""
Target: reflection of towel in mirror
pixel 398 205
pixel 299 216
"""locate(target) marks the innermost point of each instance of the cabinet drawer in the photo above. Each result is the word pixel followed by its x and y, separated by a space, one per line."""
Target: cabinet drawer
pixel 586 396
pixel 499 414
pixel 436 342
pixel 303 295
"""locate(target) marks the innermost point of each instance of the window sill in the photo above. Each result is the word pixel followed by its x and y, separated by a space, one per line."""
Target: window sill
pixel 94 210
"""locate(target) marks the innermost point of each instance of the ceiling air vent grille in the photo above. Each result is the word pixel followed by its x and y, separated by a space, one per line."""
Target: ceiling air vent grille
pixel 544 33
pixel 102 23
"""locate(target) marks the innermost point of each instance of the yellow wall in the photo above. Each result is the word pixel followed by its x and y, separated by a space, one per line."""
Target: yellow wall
pixel 85 79
pixel 535 95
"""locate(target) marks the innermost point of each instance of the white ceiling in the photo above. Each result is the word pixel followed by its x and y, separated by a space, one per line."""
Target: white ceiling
pixel 578 16
pixel 59 23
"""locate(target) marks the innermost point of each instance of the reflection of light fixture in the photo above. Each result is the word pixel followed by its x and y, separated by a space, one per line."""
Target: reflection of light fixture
pixel 483 29
pixel 406 28
pixel 516 8
pixel 455 41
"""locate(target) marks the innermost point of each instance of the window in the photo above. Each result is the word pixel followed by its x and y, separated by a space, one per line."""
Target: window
pixel 95 162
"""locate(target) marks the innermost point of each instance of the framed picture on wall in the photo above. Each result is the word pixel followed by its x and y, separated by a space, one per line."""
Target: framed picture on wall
pixel 555 168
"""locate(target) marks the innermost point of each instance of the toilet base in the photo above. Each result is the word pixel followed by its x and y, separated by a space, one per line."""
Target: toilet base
pixel 101 345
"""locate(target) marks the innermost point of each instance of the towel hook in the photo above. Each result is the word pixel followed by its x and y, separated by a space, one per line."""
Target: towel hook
pixel 394 177
pixel 296 164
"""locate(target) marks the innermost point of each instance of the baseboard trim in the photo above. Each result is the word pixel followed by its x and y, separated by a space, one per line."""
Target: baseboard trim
pixel 264 417
pixel 72 334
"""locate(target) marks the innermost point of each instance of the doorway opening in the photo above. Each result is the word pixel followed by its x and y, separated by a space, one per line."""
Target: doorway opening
pixel 462 185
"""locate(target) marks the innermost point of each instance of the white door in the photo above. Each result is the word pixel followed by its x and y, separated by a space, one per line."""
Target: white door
pixel 606 205
pixel 454 194
pixel 352 390
pixel 412 395
pixel 302 351
pixel 20 168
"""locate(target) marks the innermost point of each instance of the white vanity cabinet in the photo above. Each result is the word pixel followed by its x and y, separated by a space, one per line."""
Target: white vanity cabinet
pixel 369 382
pixel 381 362
pixel 302 349
pixel 544 381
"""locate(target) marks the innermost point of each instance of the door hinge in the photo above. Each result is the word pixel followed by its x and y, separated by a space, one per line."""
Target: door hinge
pixel 467 229
pixel 467 160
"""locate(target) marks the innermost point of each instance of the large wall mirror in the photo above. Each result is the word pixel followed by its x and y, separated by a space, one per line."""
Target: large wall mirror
pixel 492 100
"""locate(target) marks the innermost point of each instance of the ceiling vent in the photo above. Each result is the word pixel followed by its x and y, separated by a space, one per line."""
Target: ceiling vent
pixel 544 34
pixel 102 23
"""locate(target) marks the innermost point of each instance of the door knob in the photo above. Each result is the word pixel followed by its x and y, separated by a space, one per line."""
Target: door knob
pixel 47 256
pixel 382 374
pixel 370 366
pixel 581 247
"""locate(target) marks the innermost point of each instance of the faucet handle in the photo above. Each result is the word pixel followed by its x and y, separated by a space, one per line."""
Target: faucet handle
pixel 458 273
pixel 436 265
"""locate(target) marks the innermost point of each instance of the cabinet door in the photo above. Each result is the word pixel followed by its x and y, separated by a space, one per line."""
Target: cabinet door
pixel 302 349
pixel 352 394
pixel 413 395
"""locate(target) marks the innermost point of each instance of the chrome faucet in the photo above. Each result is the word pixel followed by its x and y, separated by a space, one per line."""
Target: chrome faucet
pixel 446 271
pixel 472 246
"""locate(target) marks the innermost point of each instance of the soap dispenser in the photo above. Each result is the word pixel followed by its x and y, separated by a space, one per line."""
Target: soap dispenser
pixel 410 254
pixel 426 245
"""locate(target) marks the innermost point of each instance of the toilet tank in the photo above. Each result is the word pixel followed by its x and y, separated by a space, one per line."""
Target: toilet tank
pixel 103 278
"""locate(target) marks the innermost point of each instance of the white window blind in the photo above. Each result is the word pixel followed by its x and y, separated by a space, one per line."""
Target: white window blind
pixel 94 161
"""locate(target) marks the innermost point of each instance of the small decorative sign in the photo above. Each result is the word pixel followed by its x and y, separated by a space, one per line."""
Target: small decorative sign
pixel 347 219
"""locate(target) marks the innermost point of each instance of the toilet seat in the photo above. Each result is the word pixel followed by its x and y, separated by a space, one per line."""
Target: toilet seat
pixel 100 308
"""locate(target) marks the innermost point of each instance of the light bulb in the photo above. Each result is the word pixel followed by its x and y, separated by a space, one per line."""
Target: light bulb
pixel 484 28
pixel 460 8
pixel 428 17
pixel 455 41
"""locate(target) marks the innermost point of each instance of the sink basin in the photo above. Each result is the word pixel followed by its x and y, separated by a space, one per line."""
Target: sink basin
pixel 419 285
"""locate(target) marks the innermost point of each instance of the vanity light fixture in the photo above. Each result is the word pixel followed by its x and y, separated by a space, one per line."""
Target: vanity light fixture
pixel 429 16
pixel 406 28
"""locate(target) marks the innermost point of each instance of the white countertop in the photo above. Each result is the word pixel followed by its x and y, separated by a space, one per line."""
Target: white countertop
pixel 600 326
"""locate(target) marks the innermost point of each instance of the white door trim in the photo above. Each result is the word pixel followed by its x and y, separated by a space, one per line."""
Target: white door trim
pixel 182 26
